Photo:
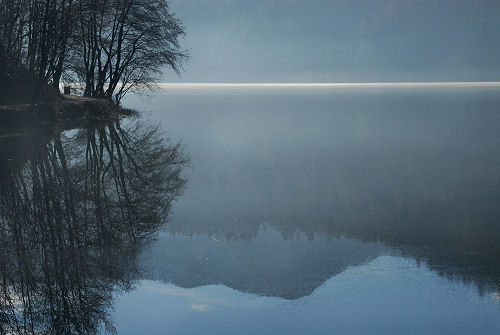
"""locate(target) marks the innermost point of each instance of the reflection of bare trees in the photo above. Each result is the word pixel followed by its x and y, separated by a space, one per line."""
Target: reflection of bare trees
pixel 72 218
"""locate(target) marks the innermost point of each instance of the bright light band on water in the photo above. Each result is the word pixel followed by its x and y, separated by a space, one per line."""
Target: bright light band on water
pixel 333 85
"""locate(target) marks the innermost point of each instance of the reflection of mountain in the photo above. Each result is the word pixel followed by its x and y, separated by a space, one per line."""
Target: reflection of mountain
pixel 74 210
pixel 266 265
pixel 451 242
pixel 417 172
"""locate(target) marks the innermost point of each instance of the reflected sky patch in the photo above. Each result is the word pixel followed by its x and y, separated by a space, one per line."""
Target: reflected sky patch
pixel 388 295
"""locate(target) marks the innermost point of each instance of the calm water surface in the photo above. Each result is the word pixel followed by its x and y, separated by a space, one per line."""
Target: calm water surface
pixel 300 211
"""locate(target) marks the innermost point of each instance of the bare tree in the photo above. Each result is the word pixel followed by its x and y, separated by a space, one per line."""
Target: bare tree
pixel 35 35
pixel 124 44
pixel 112 46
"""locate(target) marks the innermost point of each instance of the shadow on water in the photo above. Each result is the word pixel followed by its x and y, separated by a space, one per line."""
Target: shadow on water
pixel 76 207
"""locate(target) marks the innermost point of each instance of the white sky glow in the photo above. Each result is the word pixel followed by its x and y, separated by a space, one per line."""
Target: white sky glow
pixel 346 85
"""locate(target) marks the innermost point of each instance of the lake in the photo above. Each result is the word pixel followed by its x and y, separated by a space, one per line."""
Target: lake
pixel 260 210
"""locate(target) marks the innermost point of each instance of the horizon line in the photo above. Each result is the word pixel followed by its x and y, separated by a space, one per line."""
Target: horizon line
pixel 338 84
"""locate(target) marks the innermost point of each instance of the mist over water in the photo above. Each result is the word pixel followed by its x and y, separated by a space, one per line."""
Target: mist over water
pixel 385 197
pixel 291 167
pixel 257 209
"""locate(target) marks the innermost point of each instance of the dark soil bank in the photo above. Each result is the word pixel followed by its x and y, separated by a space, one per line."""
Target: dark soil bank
pixel 24 100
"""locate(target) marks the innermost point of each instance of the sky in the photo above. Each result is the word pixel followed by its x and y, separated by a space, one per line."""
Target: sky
pixel 253 41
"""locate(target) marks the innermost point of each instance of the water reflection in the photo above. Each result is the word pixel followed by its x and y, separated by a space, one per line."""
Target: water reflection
pixel 280 203
pixel 266 264
pixel 75 209
pixel 413 175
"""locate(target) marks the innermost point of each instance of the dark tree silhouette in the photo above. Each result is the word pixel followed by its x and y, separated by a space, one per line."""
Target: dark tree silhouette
pixel 113 47
pixel 37 33
pixel 121 45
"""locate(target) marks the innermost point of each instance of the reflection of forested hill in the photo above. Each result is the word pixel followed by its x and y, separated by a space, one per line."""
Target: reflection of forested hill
pixel 417 172
pixel 456 238
pixel 266 265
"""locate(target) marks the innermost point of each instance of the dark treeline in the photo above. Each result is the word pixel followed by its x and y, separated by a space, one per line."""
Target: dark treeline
pixel 111 47
pixel 74 213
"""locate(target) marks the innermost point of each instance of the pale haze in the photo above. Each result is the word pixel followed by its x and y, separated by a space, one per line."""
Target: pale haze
pixel 339 41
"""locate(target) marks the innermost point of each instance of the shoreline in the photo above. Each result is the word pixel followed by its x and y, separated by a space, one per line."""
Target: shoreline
pixel 66 112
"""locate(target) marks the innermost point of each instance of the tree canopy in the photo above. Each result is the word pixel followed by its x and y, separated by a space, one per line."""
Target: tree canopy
pixel 111 47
